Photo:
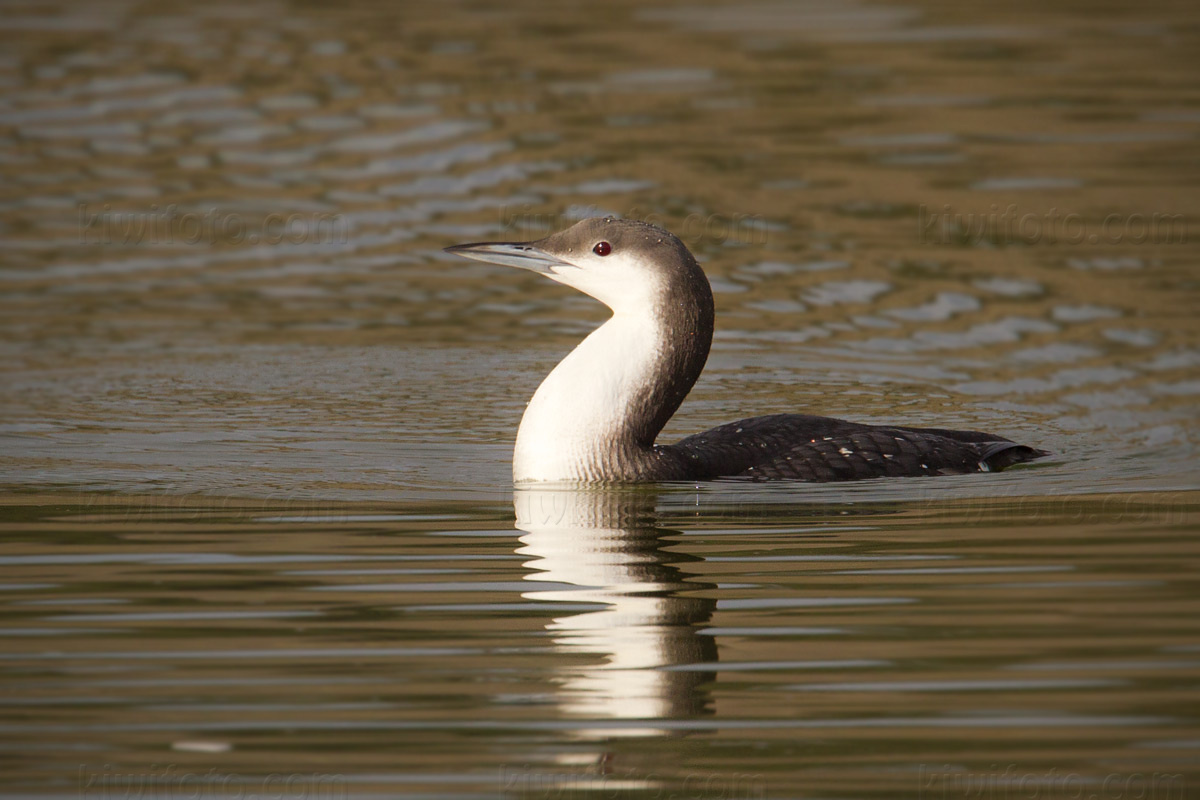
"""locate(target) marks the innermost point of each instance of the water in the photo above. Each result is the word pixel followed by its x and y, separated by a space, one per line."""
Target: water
pixel 255 428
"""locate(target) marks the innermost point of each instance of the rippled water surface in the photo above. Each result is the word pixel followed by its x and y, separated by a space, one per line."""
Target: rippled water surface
pixel 258 531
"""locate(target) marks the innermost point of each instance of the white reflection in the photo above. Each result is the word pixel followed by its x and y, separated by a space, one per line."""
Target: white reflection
pixel 601 548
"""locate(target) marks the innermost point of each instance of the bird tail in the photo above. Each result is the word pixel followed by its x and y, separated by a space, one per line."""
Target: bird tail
pixel 1001 455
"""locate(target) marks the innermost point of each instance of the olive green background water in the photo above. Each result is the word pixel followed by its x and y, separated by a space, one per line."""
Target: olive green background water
pixel 258 533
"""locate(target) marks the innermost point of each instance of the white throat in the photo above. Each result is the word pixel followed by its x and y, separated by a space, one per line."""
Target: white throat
pixel 576 418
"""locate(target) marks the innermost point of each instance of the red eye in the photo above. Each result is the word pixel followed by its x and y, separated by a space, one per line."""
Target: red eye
pixel 602 248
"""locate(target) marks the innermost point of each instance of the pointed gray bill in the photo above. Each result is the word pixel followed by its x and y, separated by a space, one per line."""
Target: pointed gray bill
pixel 510 254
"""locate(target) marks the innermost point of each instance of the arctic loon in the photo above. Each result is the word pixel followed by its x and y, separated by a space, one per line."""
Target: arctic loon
pixel 595 418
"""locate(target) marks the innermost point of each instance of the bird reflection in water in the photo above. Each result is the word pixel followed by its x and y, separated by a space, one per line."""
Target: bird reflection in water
pixel 633 611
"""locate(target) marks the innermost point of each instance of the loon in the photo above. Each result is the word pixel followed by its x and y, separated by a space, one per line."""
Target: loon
pixel 596 416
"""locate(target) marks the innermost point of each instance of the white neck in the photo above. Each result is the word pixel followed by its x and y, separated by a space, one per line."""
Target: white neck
pixel 576 419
